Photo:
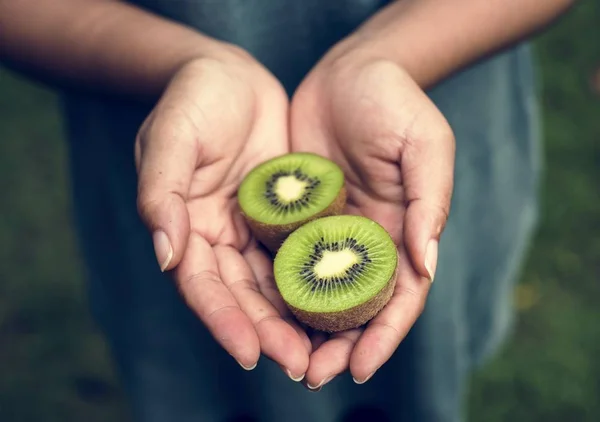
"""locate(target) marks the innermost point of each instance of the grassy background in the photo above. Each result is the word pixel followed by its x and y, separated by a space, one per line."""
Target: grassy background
pixel 54 367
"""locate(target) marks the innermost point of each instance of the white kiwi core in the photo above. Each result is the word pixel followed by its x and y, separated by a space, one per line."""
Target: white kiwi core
pixel 334 263
pixel 288 188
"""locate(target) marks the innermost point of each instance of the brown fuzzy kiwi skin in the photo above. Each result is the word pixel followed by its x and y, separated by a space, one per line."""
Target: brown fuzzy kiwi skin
pixel 273 235
pixel 351 318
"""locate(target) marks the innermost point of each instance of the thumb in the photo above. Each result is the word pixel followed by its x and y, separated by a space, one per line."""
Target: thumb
pixel 427 166
pixel 166 157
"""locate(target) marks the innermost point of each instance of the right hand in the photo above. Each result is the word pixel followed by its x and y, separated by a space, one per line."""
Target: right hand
pixel 218 118
pixel 397 151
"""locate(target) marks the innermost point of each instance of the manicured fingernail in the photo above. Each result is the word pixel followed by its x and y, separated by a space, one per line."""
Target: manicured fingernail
pixel 321 384
pixel 431 254
pixel 163 249
pixel 296 379
pixel 365 380
pixel 247 368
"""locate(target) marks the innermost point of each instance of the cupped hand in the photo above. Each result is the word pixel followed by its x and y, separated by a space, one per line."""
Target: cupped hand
pixel 217 119
pixel 397 152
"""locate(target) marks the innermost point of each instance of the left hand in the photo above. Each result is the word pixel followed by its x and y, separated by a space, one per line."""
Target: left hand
pixel 397 151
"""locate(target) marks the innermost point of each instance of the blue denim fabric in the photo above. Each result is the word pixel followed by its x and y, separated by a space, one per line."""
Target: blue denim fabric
pixel 171 367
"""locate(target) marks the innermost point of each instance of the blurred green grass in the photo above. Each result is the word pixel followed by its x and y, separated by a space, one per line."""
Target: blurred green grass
pixel 54 366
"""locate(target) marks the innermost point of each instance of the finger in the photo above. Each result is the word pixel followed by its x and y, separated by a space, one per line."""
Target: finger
pixel 262 267
pixel 307 131
pixel 427 166
pixel 167 154
pixel 331 358
pixel 384 333
pixel 200 283
pixel 317 338
pixel 203 116
pixel 278 340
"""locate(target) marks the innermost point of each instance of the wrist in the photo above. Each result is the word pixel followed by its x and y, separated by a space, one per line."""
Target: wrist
pixel 387 38
pixel 111 47
pixel 432 39
pixel 195 53
pixel 354 53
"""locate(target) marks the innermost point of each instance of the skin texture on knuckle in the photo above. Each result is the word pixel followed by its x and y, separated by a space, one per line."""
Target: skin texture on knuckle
pixel 161 210
pixel 427 124
pixel 171 124
pixel 427 162
pixel 147 208
pixel 190 282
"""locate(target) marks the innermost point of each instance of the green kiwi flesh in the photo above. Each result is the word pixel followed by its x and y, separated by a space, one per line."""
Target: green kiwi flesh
pixel 283 193
pixel 336 273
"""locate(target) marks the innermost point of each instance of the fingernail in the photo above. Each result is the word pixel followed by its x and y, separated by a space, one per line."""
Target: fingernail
pixel 431 253
pixel 365 380
pixel 247 368
pixel 163 249
pixel 297 379
pixel 321 384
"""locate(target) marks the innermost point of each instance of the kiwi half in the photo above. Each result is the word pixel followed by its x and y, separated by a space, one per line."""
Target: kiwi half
pixel 336 273
pixel 283 193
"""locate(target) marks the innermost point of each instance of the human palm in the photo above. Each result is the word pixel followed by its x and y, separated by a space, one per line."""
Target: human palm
pixel 214 123
pixel 397 151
